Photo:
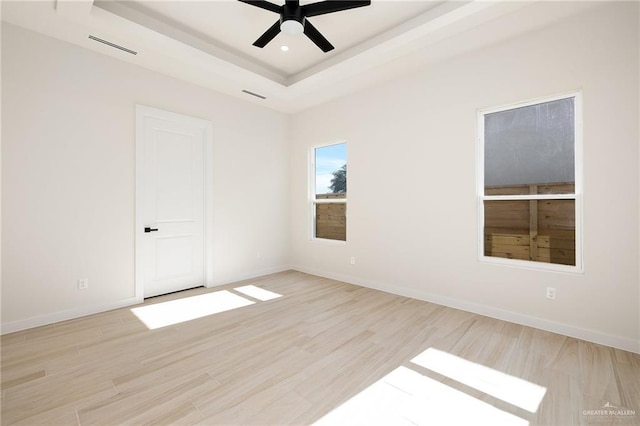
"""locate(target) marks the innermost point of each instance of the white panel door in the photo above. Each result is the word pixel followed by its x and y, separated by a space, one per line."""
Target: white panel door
pixel 172 204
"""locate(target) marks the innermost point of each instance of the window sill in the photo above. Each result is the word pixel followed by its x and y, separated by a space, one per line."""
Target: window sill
pixel 531 265
pixel 327 241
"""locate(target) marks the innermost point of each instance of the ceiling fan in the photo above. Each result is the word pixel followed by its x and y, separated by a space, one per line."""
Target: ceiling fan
pixel 293 18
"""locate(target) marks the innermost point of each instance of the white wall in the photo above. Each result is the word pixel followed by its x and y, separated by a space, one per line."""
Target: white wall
pixel 412 177
pixel 68 178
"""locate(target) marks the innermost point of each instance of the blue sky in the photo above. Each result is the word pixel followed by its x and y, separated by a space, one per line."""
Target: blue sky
pixel 328 160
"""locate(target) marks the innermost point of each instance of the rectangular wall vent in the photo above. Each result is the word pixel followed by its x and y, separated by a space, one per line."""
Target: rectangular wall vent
pixel 108 43
pixel 254 94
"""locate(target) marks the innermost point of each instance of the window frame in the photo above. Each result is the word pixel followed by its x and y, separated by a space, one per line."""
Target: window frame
pixel 312 195
pixel 577 195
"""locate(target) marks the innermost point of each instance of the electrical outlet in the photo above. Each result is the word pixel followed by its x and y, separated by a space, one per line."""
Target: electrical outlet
pixel 352 260
pixel 551 293
pixel 83 283
pixel 258 255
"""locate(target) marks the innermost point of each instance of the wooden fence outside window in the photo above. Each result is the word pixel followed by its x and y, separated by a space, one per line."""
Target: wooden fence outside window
pixel 538 230
pixel 331 218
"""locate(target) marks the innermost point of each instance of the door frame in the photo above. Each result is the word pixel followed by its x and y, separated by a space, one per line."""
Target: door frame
pixel 142 112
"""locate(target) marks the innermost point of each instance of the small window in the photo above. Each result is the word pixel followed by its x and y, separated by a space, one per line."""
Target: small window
pixel 529 184
pixel 329 200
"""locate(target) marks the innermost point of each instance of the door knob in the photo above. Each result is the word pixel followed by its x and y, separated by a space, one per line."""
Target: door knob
pixel 147 229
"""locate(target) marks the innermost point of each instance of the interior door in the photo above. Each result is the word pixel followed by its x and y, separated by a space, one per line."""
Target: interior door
pixel 172 204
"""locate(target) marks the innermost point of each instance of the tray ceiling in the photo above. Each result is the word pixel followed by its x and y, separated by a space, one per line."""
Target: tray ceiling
pixel 234 26
pixel 209 43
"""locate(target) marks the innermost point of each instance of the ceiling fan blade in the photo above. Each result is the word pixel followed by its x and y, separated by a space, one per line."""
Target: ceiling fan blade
pixel 263 4
pixel 330 6
pixel 315 36
pixel 268 35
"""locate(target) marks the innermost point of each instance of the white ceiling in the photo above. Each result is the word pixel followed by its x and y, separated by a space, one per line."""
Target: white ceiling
pixel 209 43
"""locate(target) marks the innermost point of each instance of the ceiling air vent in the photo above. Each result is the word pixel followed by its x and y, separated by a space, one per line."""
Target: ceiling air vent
pixel 108 43
pixel 253 94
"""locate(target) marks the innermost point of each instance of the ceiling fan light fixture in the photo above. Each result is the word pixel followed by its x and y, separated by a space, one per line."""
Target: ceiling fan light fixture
pixel 291 27
pixel 293 18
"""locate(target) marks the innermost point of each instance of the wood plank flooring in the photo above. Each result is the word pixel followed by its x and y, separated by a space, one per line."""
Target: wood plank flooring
pixel 325 352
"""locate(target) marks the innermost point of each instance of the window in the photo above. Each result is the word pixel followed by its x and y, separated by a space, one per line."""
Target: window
pixel 329 192
pixel 530 184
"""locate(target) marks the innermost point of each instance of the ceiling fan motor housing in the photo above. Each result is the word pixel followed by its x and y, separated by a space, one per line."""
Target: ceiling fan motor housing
pixel 291 20
pixel 291 12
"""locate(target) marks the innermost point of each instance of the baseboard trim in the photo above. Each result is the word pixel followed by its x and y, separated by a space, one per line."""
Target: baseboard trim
pixel 13 326
pixel 593 336
pixel 619 342
pixel 249 275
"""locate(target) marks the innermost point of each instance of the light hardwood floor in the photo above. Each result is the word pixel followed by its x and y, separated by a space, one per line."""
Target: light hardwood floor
pixel 322 345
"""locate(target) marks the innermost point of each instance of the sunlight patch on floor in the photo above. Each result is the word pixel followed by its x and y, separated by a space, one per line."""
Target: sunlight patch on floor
pixel 257 292
pixel 406 397
pixel 189 308
pixel 513 390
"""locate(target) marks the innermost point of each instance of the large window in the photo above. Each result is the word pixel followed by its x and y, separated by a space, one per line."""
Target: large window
pixel 530 184
pixel 329 192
